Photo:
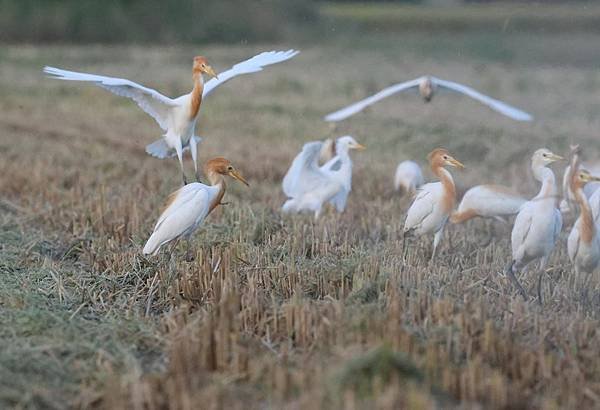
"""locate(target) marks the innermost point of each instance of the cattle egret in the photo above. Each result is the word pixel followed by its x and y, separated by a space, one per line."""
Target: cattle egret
pixel 487 201
pixel 427 86
pixel 583 243
pixel 187 207
pixel 408 178
pixel 309 186
pixel 538 222
pixel 569 202
pixel 430 210
pixel 178 116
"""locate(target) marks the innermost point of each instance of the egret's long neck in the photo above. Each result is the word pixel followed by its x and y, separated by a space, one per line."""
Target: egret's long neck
pixel 216 180
pixel 449 196
pixel 586 226
pixel 546 177
pixel 196 97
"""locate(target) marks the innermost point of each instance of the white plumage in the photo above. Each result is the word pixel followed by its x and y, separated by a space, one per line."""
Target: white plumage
pixel 538 222
pixel 187 207
pixel 408 178
pixel 488 201
pixel 427 86
pixel 183 216
pixel 178 116
pixel 434 201
pixel 309 186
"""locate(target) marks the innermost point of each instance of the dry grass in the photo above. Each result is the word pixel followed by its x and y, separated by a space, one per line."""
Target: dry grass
pixel 281 311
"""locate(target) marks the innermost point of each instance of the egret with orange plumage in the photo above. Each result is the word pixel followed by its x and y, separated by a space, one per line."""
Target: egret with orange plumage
pixel 178 116
pixel 187 207
pixel 435 201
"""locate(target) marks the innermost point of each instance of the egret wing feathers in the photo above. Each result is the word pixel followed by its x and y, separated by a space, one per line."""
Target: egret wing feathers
pixel 151 101
pixel 304 173
pixel 186 212
pixel 160 149
pixel 422 206
pixel 251 65
pixel 494 104
pixel 362 104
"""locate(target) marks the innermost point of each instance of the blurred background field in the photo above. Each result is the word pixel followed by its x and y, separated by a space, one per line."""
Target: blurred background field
pixel 285 312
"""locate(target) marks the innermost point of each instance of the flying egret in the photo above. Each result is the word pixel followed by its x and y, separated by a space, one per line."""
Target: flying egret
pixel 408 178
pixel 434 202
pixel 178 116
pixel 309 186
pixel 538 222
pixel 427 86
pixel 187 207
pixel 583 243
pixel 487 201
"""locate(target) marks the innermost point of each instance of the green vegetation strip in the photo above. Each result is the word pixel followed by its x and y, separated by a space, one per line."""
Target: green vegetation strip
pixel 501 17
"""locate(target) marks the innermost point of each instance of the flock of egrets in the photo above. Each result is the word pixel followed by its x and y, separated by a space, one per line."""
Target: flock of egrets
pixel 322 173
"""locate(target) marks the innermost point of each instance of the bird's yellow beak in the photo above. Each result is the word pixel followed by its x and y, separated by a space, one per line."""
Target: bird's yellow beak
pixel 455 163
pixel 555 157
pixel 236 175
pixel 358 147
pixel 209 70
pixel 590 178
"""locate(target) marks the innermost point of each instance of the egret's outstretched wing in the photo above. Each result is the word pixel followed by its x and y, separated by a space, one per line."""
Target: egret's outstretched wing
pixel 251 65
pixel 304 173
pixel 362 104
pixel 149 100
pixel 494 104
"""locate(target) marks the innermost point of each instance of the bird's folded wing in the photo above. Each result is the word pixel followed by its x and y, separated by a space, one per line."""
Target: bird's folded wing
pixel 423 204
pixel 194 194
pixel 522 225
pixel 557 224
pixel 362 104
pixel 304 174
pixel 494 104
pixel 149 100
pixel 251 65
pixel 594 202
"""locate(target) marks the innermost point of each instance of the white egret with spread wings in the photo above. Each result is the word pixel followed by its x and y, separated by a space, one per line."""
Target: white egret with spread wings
pixel 427 86
pixel 176 116
pixel 309 186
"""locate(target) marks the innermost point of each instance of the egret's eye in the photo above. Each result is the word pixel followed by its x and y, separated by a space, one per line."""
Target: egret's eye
pixel 230 168
pixel 445 156
pixel 544 155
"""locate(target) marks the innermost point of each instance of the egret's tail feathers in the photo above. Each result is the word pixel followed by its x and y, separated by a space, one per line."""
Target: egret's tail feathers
pixel 291 205
pixel 152 246
pixel 160 149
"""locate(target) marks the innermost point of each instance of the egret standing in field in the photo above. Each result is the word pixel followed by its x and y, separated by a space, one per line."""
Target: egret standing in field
pixel 187 207
pixel 569 201
pixel 488 201
pixel 309 186
pixel 408 178
pixel 538 222
pixel 427 86
pixel 434 202
pixel 583 243
pixel 178 116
